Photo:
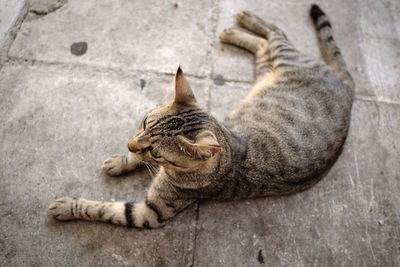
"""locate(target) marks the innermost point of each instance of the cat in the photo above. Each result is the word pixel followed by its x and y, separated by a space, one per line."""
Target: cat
pixel 282 139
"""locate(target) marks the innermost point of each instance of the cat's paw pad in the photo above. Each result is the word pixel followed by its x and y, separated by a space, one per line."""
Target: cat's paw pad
pixel 115 165
pixel 62 208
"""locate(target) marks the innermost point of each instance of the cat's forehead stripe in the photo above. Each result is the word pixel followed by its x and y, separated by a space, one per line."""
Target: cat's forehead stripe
pixel 182 123
pixel 188 111
pixel 185 114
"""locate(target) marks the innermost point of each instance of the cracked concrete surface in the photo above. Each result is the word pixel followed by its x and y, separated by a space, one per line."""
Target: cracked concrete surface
pixel 63 114
pixel 40 8
pixel 12 13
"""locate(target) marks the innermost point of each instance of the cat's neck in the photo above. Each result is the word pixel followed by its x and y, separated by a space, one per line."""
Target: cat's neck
pixel 237 144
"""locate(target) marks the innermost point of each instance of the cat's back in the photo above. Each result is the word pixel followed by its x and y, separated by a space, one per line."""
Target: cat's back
pixel 294 124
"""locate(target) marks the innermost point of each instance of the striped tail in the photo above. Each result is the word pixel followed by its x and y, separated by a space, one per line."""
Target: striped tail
pixel 330 51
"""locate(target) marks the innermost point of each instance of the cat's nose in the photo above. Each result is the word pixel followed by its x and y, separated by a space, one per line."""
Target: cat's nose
pixel 132 146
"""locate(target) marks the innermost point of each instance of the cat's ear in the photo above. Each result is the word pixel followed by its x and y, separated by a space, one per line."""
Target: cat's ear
pixel 183 93
pixel 204 147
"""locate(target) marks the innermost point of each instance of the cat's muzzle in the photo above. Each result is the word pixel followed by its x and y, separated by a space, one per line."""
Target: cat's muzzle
pixel 132 146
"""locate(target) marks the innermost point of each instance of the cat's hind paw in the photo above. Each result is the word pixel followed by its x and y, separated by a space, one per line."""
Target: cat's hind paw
pixel 245 18
pixel 63 208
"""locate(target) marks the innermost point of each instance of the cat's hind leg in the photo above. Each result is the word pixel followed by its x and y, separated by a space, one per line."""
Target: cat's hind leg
pixel 248 20
pixel 244 39
pixel 255 44
pixel 282 53
pixel 120 163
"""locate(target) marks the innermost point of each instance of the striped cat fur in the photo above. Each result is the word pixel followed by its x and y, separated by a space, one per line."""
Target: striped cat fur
pixel 284 136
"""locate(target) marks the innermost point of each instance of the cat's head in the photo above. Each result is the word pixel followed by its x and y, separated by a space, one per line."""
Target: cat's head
pixel 178 136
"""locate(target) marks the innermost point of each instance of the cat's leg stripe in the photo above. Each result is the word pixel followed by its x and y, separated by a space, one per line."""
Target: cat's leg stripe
pixel 72 210
pixel 286 49
pixel 284 57
pixel 279 46
pixel 146 224
pixel 128 213
pixel 80 211
pixel 76 204
pixel 87 212
pixel 101 212
pixel 284 65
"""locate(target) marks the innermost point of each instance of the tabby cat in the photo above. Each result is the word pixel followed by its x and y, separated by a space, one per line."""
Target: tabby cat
pixel 283 137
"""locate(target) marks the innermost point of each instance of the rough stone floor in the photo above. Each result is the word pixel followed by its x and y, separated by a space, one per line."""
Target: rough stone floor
pixel 76 79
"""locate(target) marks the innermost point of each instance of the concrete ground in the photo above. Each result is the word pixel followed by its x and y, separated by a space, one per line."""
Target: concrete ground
pixel 76 79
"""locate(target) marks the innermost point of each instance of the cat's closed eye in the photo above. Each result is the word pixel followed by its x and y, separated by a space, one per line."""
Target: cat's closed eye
pixel 154 152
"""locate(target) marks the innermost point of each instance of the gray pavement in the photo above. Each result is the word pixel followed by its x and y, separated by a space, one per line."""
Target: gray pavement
pixel 65 108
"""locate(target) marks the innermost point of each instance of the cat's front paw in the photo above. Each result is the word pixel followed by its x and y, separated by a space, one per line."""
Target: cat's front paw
pixel 62 209
pixel 115 165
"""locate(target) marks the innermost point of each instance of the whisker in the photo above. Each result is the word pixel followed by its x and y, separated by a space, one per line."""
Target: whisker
pixel 154 169
pixel 148 166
